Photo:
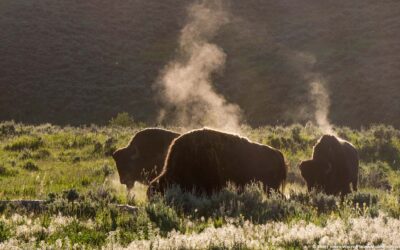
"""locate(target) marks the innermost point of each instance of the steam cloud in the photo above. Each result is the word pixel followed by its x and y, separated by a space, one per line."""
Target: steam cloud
pixel 317 88
pixel 322 104
pixel 187 92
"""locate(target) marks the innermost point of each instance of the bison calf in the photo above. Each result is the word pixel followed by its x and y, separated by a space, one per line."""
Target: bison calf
pixel 142 160
pixel 205 160
pixel 334 166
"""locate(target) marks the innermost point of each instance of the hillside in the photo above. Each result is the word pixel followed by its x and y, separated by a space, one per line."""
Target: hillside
pixel 76 62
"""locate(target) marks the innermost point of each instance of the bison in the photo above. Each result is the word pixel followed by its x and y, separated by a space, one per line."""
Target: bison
pixel 333 167
pixel 205 160
pixel 143 158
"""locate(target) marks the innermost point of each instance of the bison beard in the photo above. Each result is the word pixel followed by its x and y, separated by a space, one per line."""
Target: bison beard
pixel 143 158
pixel 333 167
pixel 205 160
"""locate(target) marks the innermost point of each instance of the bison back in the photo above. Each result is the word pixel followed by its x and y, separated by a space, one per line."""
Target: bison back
pixel 207 159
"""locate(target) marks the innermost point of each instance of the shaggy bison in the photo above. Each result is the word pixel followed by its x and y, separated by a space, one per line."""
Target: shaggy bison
pixel 142 160
pixel 205 160
pixel 334 166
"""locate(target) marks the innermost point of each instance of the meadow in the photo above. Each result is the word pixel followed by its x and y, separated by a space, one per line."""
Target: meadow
pixel 71 169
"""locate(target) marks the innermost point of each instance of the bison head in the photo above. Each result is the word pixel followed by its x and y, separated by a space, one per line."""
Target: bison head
pixel 125 160
pixel 316 174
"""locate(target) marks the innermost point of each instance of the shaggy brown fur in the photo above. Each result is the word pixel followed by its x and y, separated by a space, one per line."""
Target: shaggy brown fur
pixel 142 160
pixel 205 160
pixel 333 167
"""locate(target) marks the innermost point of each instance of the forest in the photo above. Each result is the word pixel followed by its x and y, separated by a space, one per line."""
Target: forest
pixel 74 63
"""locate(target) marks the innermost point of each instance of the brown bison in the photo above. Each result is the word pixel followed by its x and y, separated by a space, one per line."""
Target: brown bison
pixel 333 168
pixel 142 160
pixel 205 160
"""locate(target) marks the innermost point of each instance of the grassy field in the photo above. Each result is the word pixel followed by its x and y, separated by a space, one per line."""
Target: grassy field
pixel 71 168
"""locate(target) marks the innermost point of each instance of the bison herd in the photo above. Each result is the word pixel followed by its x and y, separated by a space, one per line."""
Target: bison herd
pixel 204 160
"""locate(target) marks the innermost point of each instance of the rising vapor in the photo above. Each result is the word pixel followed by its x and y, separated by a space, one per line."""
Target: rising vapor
pixel 318 92
pixel 187 93
pixel 321 99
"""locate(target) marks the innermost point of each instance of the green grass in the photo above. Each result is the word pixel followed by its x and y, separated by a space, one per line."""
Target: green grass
pixel 37 160
pixel 71 167
pixel 65 158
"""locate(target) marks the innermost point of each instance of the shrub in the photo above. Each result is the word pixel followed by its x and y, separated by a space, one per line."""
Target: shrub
pixel 71 195
pixel 252 203
pixel 363 199
pixel 384 133
pixel 107 170
pixel 98 148
pixel 138 226
pixel 383 145
pixel 122 120
pixel 41 154
pixel 7 172
pixel 296 133
pixel 51 197
pixel 5 232
pixel 3 170
pixel 82 209
pixel 375 175
pixel 85 181
pixel 391 205
pixel 78 233
pixel 7 129
pixel 75 140
pixel 107 219
pixel 76 159
pixel 30 166
pixel 395 183
pixel 24 143
pixel 103 194
pixel 25 155
pixel 164 216
pixel 109 147
pixel 322 202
